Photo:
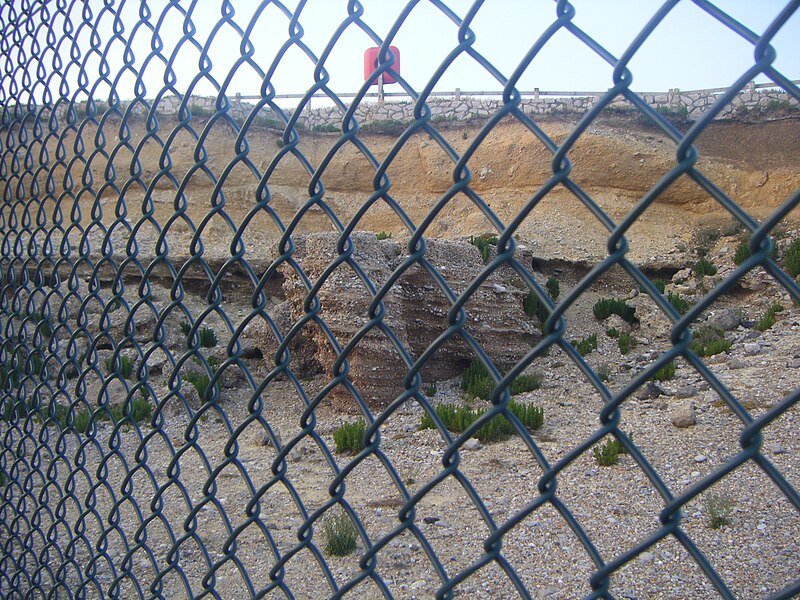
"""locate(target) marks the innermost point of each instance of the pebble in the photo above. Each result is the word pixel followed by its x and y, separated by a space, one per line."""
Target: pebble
pixel 752 348
pixel 646 557
pixel 777 449
pixel 472 444
pixel 683 415
pixel 736 363
pixel 700 458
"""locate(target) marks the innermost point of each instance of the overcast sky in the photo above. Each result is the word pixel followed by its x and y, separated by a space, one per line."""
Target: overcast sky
pixel 689 50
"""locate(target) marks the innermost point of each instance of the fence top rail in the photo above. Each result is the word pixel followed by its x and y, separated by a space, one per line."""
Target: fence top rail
pixel 534 92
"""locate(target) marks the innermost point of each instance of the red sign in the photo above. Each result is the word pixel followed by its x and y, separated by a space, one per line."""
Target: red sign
pixel 371 64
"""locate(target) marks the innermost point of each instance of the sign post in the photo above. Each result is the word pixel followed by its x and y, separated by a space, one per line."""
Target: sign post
pixel 371 63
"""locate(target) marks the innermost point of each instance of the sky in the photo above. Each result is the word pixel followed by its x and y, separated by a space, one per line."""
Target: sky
pixel 689 50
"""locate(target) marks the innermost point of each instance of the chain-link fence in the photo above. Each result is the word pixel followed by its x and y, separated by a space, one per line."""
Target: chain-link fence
pixel 233 343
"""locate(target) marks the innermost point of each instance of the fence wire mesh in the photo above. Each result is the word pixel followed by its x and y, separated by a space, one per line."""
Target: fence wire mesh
pixel 182 340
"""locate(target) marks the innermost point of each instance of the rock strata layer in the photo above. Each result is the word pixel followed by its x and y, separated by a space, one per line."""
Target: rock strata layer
pixel 379 341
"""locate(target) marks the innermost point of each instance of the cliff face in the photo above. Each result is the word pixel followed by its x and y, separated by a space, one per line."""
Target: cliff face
pixel 415 313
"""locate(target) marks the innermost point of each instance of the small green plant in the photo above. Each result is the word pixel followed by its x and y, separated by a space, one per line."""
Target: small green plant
pixel 350 437
pixel 768 319
pixel 185 327
pixel 208 339
pixel 719 508
pixel 791 258
pixel 82 421
pixel 659 284
pixel 200 381
pixel 142 410
pixel 125 366
pixel 708 341
pixel 586 345
pixel 476 382
pixel 780 105
pixel 484 243
pixel 430 390
pixel 535 307
pixel 665 373
pixel 43 324
pixel 679 303
pixel 553 288
pixel 605 307
pixel 458 418
pixel 607 453
pixel 733 228
pixel 604 371
pixel 703 267
pixel 742 252
pixel 339 534
pixel 705 238
pixel 383 235
pixel 612 332
pixel 524 383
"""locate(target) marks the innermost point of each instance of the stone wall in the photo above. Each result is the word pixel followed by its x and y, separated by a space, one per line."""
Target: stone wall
pixel 691 105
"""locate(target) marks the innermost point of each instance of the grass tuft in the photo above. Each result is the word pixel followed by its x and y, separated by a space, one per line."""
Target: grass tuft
pixel 458 418
pixel 605 307
pixel 350 437
pixel 339 534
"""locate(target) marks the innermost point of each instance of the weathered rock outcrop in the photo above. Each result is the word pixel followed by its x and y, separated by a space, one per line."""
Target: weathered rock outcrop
pixel 415 313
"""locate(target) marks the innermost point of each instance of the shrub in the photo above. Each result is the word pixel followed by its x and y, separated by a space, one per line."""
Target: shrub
pixel 608 453
pixel 476 382
pixel 605 307
pixel 742 252
pixel 659 284
pixel 719 508
pixel 382 235
pixel 679 303
pixel 200 381
pixel 208 339
pixel 339 534
pixel 665 373
pixel 350 437
pixel 82 421
pixel 483 244
pixel 768 319
pixel 458 418
pixel 553 288
pixel 125 366
pixel 142 410
pixel 708 341
pixel 525 383
pixel 626 343
pixel 185 327
pixel 43 324
pixel 535 307
pixel 705 237
pixel 791 258
pixel 586 345
pixel 703 267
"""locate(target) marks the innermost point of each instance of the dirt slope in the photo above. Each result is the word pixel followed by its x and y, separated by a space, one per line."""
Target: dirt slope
pixel 616 161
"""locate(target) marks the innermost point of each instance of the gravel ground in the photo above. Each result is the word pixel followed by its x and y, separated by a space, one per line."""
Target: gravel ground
pixel 127 498
pixel 617 507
